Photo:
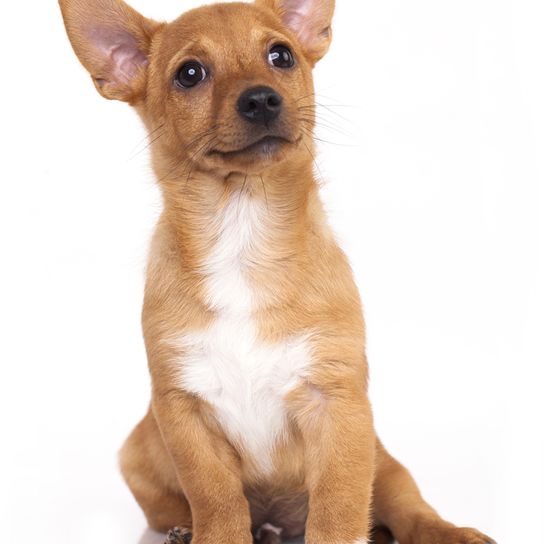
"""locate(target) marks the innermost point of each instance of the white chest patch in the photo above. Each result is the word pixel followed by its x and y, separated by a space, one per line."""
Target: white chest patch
pixel 244 379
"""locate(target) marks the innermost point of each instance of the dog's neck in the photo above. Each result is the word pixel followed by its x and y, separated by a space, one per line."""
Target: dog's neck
pixel 280 204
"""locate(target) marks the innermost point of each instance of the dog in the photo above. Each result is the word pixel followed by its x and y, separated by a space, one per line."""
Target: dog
pixel 259 427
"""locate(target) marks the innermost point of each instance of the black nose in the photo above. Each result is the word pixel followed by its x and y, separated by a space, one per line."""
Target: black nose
pixel 260 105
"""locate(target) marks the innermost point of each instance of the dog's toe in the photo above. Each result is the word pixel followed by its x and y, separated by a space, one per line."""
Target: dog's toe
pixel 178 535
pixel 268 534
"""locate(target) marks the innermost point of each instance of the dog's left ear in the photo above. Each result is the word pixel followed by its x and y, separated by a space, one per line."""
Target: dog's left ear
pixel 310 20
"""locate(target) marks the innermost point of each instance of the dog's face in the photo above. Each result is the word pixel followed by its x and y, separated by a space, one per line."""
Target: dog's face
pixel 236 93
pixel 226 86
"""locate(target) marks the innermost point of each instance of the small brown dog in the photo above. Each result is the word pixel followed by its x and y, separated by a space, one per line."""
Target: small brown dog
pixel 260 422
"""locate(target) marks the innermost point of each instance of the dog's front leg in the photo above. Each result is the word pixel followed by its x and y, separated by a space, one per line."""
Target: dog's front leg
pixel 339 443
pixel 207 469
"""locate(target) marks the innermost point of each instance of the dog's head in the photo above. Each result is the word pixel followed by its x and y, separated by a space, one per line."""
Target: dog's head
pixel 225 87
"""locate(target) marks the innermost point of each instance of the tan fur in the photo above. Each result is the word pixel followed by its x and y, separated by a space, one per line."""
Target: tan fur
pixel 332 479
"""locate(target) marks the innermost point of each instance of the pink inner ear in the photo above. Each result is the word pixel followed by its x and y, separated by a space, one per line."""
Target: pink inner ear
pixel 302 17
pixel 297 13
pixel 121 53
pixel 302 6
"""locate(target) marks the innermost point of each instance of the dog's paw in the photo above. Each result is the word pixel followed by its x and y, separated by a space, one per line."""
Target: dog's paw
pixel 268 534
pixel 445 534
pixel 178 536
pixel 465 535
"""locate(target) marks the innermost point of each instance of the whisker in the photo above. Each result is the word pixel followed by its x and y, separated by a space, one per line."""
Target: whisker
pixel 321 140
pixel 148 145
pixel 329 109
pixel 320 109
pixel 265 193
pixel 135 151
pixel 315 163
pixel 303 97
pixel 197 154
pixel 319 123
pixel 241 194
pixel 203 134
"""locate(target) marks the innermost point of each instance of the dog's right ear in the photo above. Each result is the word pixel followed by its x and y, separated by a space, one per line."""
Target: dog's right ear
pixel 112 41
pixel 310 20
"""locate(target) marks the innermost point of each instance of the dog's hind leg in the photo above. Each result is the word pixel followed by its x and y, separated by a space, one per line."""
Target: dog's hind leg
pixel 398 505
pixel 149 473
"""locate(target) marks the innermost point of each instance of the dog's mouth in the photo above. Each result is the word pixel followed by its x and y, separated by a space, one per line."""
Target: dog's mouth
pixel 264 147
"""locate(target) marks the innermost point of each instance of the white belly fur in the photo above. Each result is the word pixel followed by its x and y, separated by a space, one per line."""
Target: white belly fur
pixel 244 379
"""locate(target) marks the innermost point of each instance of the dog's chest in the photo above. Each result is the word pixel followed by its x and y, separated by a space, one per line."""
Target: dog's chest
pixel 243 378
pixel 245 381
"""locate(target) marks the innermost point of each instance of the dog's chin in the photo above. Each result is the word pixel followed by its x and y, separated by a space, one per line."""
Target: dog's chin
pixel 265 151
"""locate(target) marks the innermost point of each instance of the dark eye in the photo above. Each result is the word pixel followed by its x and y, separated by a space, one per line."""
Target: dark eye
pixel 190 74
pixel 281 56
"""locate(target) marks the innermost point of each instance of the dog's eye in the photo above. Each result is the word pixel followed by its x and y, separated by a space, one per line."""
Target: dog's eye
pixel 281 56
pixel 190 74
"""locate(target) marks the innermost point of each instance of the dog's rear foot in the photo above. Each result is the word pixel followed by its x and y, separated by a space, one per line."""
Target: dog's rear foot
pixel 448 534
pixel 178 536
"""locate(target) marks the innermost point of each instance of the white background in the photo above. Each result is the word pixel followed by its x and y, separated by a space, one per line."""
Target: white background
pixel 435 188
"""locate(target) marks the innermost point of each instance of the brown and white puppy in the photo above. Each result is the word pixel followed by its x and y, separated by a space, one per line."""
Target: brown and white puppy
pixel 252 321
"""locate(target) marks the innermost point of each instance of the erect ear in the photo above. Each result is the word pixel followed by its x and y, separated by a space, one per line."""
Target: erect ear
pixel 310 20
pixel 112 41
